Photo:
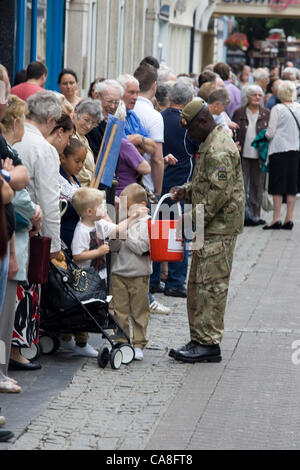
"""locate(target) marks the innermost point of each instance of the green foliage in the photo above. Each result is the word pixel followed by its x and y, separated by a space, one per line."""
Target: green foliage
pixel 254 28
pixel 258 28
pixel 291 27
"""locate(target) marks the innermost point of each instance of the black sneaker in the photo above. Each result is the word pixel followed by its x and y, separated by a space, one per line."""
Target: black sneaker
pixel 179 292
pixel 159 289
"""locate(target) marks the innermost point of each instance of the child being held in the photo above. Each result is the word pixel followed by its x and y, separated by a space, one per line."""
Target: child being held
pixel 131 272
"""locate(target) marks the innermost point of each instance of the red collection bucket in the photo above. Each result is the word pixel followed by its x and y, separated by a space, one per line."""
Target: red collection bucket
pixel 164 244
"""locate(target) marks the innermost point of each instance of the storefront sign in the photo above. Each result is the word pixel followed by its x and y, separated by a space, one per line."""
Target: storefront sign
pixel 277 5
pixel 283 4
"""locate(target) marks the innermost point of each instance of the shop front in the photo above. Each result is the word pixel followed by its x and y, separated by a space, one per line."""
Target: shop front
pixel 34 31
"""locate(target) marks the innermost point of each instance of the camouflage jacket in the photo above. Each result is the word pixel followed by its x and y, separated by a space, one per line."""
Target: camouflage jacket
pixel 218 184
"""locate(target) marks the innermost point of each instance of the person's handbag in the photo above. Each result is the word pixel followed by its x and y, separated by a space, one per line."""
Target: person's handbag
pixel 267 200
pixel 39 259
pixel 66 285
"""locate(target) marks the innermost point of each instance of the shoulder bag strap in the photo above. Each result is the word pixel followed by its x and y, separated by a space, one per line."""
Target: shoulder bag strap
pixel 293 117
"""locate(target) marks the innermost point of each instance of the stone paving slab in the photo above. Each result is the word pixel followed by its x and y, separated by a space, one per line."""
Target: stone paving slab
pixel 148 404
pixel 252 402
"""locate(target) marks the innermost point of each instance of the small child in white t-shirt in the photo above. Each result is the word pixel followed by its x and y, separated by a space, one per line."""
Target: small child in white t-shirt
pixel 88 245
pixel 89 249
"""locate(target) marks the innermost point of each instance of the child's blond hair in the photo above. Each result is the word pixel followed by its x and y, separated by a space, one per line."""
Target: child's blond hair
pixel 86 198
pixel 135 193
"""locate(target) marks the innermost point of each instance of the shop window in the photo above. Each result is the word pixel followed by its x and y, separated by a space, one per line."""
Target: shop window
pixel 41 36
pixel 93 30
pixel 28 22
pixel 121 36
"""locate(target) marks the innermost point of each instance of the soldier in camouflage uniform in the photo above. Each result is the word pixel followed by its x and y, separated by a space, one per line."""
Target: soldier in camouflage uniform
pixel 217 184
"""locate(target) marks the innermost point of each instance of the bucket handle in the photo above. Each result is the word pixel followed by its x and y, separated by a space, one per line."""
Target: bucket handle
pixel 170 195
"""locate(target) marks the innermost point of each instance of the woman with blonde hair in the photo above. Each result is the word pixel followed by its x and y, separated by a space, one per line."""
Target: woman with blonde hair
pixel 283 133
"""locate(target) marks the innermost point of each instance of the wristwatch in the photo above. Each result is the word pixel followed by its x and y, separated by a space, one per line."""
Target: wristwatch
pixel 6 175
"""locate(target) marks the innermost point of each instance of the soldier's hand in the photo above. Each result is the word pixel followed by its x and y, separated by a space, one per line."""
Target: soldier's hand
pixel 170 159
pixel 179 193
pixel 239 147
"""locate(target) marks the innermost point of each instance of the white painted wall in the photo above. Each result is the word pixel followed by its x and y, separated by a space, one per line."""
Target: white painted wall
pixel 122 40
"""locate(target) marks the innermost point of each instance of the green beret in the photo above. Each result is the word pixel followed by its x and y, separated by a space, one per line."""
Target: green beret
pixel 190 111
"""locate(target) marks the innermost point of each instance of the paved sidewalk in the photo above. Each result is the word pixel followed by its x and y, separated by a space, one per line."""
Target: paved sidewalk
pixel 248 401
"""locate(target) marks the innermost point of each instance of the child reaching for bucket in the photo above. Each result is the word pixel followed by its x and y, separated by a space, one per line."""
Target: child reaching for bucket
pixel 131 271
pixel 88 245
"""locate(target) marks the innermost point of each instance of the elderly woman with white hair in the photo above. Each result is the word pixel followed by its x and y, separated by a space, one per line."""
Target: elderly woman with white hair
pixel 87 115
pixel 283 154
pixel 290 73
pixel 261 78
pixel 252 119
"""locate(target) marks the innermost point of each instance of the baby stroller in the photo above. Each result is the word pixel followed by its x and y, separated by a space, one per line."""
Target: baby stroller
pixel 75 300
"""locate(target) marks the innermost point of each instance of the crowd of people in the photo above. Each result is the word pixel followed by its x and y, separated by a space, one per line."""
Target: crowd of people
pixel 249 124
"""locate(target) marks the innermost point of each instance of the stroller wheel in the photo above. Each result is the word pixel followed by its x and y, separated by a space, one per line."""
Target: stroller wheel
pixel 127 352
pixel 34 352
pixel 49 343
pixel 103 357
pixel 116 357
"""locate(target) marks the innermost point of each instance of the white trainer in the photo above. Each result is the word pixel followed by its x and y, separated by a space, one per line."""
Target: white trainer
pixel 138 354
pixel 2 419
pixel 86 351
pixel 68 345
pixel 156 307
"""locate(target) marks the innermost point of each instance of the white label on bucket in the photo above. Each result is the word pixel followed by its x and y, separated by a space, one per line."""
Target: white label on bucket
pixel 174 244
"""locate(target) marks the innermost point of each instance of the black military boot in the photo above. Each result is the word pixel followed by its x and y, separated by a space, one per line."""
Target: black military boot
pixel 187 347
pixel 199 353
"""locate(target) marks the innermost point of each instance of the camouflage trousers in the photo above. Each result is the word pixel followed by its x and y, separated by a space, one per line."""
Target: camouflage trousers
pixel 208 288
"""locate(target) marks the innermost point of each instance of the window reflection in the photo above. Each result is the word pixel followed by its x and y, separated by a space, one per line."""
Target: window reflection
pixel 28 31
pixel 41 31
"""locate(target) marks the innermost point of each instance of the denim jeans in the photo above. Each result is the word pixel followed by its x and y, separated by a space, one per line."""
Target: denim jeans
pixel 151 298
pixel 177 273
pixel 3 278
